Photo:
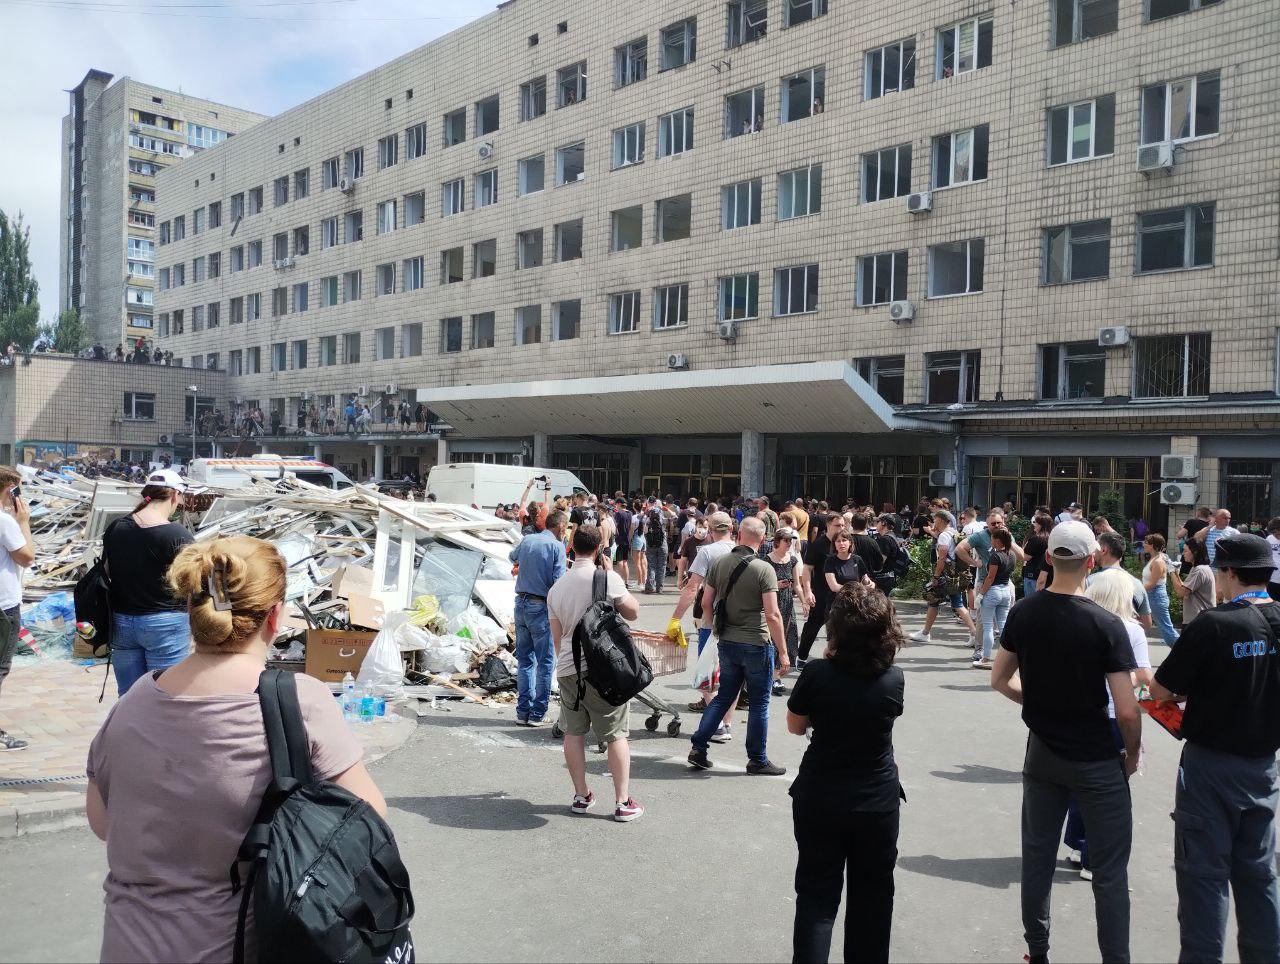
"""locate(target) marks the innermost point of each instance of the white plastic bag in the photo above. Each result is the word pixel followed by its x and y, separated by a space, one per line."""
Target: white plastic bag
pixel 708 663
pixel 447 654
pixel 485 632
pixel 382 667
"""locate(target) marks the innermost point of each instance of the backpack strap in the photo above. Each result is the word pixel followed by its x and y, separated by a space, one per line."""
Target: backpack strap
pixel 737 573
pixel 286 733
pixel 599 586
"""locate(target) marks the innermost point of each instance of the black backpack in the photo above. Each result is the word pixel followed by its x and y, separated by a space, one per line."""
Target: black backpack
pixel 325 876
pixel 602 640
pixel 92 596
pixel 655 531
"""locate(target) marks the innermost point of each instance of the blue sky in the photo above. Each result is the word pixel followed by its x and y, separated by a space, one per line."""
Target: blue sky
pixel 264 56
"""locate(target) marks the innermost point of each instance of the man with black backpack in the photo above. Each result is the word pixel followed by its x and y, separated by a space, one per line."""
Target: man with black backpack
pixel 582 708
pixel 655 547
pixel 896 559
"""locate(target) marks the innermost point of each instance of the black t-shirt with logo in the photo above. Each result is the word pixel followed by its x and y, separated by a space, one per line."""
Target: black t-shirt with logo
pixel 584 515
pixel 845 570
pixel 816 556
pixel 1066 646
pixel 1227 666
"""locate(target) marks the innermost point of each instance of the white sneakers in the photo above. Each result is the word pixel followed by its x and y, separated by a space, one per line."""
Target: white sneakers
pixel 920 636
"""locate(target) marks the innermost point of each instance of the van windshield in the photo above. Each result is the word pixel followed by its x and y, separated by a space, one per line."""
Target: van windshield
pixel 323 479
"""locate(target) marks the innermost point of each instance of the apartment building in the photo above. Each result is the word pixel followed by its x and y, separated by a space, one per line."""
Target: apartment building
pixel 1003 251
pixel 115 138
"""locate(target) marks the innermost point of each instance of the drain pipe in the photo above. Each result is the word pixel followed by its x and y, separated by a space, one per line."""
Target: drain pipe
pixel 962 479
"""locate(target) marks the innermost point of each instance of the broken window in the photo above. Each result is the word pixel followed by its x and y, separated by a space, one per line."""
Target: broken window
pixel 388 151
pixel 956 268
pixel 255 205
pixel 740 204
pixel 1072 370
pixel 802 11
pixel 529 325
pixel 254 255
pixel 670 306
pixel 568 240
pixel 1079 132
pixel 1176 238
pixel 951 376
pixel 748 21
pixel 627 228
pixel 886 174
pixel 1181 110
pixel 415 208
pixel 891 69
pixel 628 145
pixel 487 119
pixel 529 248
pixel 571 163
pixel 411 340
pixel 329 291
pixel 415 142
pixel 964 47
pixel 1171 366
pixel 279 247
pixel 1159 9
pixel 450 335
pixel 384 280
pixel 279 191
pixel 886 375
pixel 353 163
pixel 455 127
pixel 328 177
pixel 386 217
pixel 482 329
pixel 680 43
pixel 674 217
pixel 882 278
pixel 571 84
pixel 800 192
pixel 566 320
pixel 631 62
pixel 802 94
pixel 624 313
pixel 740 297
pixel 1077 252
pixel 412 273
pixel 301 240
pixel 351 286
pixel 795 289
pixel 453 197
pixel 533 98
pixel 531 174
pixel 744 112
pixel 451 266
pixel 960 157
pixel 353 227
pixel 675 132
pixel 486 188
pixel 484 258
pixel 328 235
pixel 1077 20
pixel 351 348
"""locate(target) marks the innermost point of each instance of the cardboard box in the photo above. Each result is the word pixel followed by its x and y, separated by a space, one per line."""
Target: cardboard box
pixel 364 611
pixel 332 653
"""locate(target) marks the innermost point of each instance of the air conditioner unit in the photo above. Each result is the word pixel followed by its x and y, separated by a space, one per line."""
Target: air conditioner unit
pixel 164 440
pixel 677 362
pixel 389 388
pixel 363 391
pixel 1113 336
pixel 1177 493
pixel 346 185
pixel 941 478
pixel 901 312
pixel 919 203
pixel 485 150
pixel 1156 157
pixel 728 330
pixel 1178 467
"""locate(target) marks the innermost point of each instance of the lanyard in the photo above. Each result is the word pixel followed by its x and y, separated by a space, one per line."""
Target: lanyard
pixel 1253 594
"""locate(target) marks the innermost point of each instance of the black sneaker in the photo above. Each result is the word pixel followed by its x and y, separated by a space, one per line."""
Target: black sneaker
pixel 10 742
pixel 779 689
pixel 699 760
pixel 765 769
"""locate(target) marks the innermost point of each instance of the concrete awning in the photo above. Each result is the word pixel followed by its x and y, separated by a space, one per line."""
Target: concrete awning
pixel 816 397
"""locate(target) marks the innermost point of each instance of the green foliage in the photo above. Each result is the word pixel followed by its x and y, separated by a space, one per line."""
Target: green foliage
pixel 1020 528
pixel 911 585
pixel 21 326
pixel 19 292
pixel 1111 505
pixel 70 335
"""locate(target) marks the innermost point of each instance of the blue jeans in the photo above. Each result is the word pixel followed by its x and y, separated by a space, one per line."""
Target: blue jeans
pixel 143 644
pixel 995 610
pixel 1028 588
pixel 1159 599
pixel 657 567
pixel 535 658
pixel 741 662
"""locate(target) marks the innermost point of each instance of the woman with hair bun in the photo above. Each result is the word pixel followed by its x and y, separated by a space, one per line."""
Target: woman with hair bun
pixel 149 627
pixel 845 799
pixel 177 771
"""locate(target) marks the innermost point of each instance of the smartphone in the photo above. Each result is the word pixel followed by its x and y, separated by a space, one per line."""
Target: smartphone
pixel 16 493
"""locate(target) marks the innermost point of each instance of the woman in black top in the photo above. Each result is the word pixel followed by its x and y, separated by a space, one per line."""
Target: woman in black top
pixel 842 566
pixel 997 594
pixel 845 799
pixel 1035 547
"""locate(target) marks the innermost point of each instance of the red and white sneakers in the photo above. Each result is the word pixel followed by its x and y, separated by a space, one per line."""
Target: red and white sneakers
pixel 581 805
pixel 627 811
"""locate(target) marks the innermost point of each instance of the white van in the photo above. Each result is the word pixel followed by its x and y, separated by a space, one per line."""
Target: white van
pixel 488 486
pixel 235 473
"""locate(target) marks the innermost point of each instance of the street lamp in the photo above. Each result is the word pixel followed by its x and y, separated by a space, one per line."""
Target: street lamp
pixel 194 391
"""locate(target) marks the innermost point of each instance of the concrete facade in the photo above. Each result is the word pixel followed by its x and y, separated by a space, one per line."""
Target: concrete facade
pixel 1165 380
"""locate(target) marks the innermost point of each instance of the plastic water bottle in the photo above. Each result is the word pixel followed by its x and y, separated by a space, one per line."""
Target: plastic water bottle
pixel 380 707
pixel 367 709
pixel 349 709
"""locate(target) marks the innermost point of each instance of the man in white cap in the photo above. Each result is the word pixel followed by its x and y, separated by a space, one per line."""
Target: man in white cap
pixel 1060 656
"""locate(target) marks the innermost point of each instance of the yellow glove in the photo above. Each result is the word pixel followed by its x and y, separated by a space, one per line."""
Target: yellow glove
pixel 674 631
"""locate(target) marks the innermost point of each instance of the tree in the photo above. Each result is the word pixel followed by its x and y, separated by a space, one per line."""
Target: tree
pixel 19 291
pixel 1111 505
pixel 70 335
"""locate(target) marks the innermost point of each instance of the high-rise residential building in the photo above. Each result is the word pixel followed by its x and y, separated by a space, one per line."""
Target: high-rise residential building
pixel 1017 252
pixel 115 139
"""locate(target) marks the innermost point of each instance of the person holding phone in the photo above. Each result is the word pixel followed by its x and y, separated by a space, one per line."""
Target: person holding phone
pixel 19 552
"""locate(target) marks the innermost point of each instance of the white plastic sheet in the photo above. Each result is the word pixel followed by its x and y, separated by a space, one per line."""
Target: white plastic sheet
pixel 708 662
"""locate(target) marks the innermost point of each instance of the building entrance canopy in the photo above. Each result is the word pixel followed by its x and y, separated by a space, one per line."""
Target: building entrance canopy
pixel 816 397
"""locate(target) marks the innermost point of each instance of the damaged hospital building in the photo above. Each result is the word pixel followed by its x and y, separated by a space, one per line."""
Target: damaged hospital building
pixel 1001 251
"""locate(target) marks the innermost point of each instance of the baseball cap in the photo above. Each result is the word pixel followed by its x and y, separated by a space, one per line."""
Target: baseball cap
pixel 719 522
pixel 1072 540
pixel 1244 551
pixel 786 532
pixel 1074 505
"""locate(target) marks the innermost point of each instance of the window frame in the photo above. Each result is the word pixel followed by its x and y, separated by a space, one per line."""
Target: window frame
pixel 740 28
pixel 615 242
pixel 969 377
pixel 530 92
pixel 728 296
pixel 817 8
pixel 521 174
pixel 1143 341
pixel 575 74
pixel 784 278
pixel 1071 241
pixel 1193 106
pixel 865 298
pixel 812 192
pixel 388 150
pixel 1071 108
pixel 627 145
pixel 978 22
pixel 130 406
pixel 630 62
pixel 817 81
pixel 1061 363
pixel 873 369
pixel 870 69
pixel 448 328
pixel 662 296
pixel 755 124
pixel 484 184
pixel 897 150
pixel 1077 23
pixel 978 134
pixel 688 43
pixel 969 272
pixel 453 197
pixel 1188 237
pixel 626 303
pixel 754 202
pixel 667 132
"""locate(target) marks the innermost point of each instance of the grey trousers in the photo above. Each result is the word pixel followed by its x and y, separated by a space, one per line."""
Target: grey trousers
pixel 10 623
pixel 1225 834
pixel 1102 792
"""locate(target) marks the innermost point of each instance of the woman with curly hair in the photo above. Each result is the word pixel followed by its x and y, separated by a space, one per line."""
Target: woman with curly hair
pixel 845 799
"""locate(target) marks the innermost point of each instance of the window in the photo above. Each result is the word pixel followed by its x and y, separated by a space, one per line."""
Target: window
pixel 740 204
pixel 412 273
pixel 484 258
pixel 1079 132
pixel 886 375
pixel 253 361
pixel 1076 369
pixel 179 227
pixel 802 11
pixel 351 348
pixel 411 340
pixel 142 248
pixel 384 280
pixel 280 190
pixel 139 406
pixel 237 207
pixel 571 163
pixel 301 296
pixel 197 318
pixel 329 291
pixel 164 279
pixel 300 353
pixel 674 217
pixel 455 127
pixel 197 270
pixel 955 268
pixel 353 227
pixel 179 277
pixel 301 240
pixel 384 344
pixel 882 278
pixel 255 201
pixel 891 69
pixel 177 322
pixel 254 254
pixel 795 290
pixel 670 306
pixel 486 112
pixel 235 363
pixel 531 175
pixel 886 174
pixel 1159 9
pixel 529 248
pixel 628 145
pixel 388 151
pixel 328 233
pixel 453 197
pixel 568 240
pixel 1176 238
pixel 353 163
pixel 800 192
pixel 197 216
pixel 627 229
pixel 675 132
pixel 964 47
pixel 1077 252
pixel 280 246
pixel 960 157
pixel 451 266
pixel 802 94
pixel 533 100
pixel 744 112
pixel 748 21
pixel 351 286
pixel 236 311
pixel 141 269
pixel 631 62
pixel 328 173
pixel 415 142
pixel 482 326
pixel 624 313
pixel 165 228
pixel 571 84
pixel 1077 20
pixel 1171 366
pixel 450 335
pixel 680 43
pixel 279 356
pixel 328 351
pixel 529 325
pixel 1180 110
pixel 301 187
pixel 415 208
pixel 485 185
pixel 951 376
pixel 740 297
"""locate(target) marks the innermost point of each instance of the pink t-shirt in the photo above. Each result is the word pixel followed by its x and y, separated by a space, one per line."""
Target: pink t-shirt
pixel 182 777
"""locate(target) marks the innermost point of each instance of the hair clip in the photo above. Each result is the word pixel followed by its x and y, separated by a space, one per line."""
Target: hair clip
pixel 217 586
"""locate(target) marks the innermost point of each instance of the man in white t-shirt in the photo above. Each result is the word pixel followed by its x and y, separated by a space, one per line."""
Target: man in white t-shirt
pixel 581 707
pixel 17 551
pixel 945 540
pixel 1072 513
